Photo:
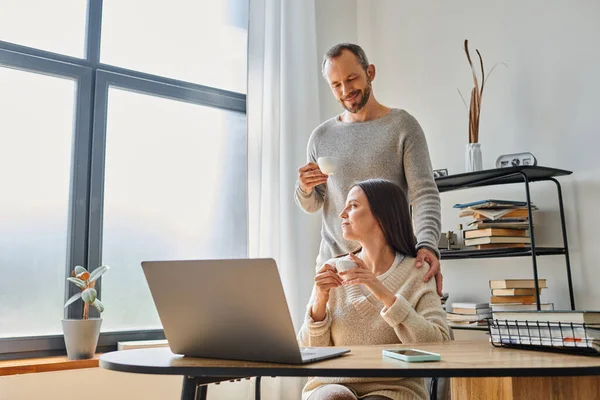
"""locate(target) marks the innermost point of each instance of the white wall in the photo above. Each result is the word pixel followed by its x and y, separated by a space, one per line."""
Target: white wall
pixel 336 23
pixel 544 102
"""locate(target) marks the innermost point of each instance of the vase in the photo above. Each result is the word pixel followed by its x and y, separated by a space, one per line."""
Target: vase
pixel 473 160
pixel 81 337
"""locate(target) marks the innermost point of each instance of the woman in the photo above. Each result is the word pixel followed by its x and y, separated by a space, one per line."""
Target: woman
pixel 383 300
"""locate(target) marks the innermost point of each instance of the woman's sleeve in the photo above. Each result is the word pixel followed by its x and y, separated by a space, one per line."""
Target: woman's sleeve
pixel 425 322
pixel 315 334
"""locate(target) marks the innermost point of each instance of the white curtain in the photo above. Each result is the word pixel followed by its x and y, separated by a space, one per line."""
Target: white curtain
pixel 282 110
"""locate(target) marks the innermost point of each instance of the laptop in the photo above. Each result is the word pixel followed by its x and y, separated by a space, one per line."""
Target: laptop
pixel 227 309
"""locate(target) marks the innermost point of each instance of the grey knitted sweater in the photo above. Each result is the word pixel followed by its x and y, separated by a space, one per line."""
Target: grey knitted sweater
pixel 353 319
pixel 392 147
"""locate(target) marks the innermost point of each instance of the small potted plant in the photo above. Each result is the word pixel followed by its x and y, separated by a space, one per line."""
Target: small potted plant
pixel 81 335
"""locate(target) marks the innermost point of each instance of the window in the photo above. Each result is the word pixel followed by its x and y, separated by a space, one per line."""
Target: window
pixel 118 144
pixel 173 189
pixel 57 26
pixel 36 131
pixel 210 38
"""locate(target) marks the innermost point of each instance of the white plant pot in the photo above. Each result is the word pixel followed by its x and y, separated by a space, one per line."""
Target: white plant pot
pixel 81 337
pixel 473 159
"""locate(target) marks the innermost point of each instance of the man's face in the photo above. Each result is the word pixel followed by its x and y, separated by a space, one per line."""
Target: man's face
pixel 348 81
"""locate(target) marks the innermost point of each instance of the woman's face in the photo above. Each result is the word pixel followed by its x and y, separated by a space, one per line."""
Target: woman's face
pixel 358 221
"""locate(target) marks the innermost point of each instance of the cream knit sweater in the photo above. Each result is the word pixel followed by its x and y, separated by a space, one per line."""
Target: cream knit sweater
pixel 353 320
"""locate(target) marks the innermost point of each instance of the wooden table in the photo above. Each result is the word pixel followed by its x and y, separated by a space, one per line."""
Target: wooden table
pixel 478 370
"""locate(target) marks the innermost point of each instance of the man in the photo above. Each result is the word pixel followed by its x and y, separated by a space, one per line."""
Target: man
pixel 369 140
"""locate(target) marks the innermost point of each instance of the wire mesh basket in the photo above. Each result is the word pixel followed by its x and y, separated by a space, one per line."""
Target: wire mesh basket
pixel 562 337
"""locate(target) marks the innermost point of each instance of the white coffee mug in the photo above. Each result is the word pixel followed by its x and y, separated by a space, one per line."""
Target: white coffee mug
pixel 327 165
pixel 344 265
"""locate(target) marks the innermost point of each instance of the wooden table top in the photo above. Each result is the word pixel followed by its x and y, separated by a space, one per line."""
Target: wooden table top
pixel 459 359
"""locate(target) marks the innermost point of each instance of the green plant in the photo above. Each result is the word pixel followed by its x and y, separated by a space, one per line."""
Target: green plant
pixel 86 281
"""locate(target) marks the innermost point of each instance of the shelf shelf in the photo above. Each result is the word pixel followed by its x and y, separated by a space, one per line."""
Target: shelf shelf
pixel 498 253
pixel 497 176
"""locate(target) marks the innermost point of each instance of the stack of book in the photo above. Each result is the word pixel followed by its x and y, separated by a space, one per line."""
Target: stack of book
pixel 496 224
pixel 514 292
pixel 574 331
pixel 469 314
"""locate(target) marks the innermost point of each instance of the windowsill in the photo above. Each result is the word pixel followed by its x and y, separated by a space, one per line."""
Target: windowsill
pixel 45 364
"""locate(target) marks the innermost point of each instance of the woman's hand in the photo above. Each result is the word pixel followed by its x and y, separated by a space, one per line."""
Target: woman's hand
pixel 325 280
pixel 363 275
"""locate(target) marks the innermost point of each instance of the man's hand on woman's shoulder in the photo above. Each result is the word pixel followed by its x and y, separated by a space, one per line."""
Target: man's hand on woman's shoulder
pixel 424 255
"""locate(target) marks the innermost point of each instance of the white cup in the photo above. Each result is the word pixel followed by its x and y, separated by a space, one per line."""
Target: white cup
pixel 344 265
pixel 327 165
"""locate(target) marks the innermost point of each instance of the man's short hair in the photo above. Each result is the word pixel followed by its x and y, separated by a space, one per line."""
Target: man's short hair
pixel 337 50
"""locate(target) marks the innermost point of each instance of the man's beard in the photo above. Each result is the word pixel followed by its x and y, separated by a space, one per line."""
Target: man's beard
pixel 362 103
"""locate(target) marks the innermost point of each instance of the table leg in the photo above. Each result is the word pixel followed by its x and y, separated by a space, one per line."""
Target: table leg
pixel 188 389
pixel 201 392
pixel 525 388
pixel 196 388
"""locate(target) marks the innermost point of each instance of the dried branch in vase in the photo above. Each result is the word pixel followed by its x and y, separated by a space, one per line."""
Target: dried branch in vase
pixel 476 94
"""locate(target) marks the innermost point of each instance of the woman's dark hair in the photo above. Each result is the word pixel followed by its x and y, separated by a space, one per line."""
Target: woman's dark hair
pixel 390 207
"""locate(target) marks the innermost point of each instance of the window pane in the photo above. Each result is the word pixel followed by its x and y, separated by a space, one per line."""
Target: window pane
pixel 175 188
pixel 35 165
pixel 57 25
pixel 200 41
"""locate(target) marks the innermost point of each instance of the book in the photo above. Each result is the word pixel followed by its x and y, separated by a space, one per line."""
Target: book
pixel 492 203
pixel 496 239
pixel 495 214
pixel 516 283
pixel 506 213
pixel 470 305
pixel 500 246
pixel 514 292
pixel 502 224
pixel 470 318
pixel 462 324
pixel 578 317
pixel 512 299
pixel 477 233
pixel 471 311
pixel 521 307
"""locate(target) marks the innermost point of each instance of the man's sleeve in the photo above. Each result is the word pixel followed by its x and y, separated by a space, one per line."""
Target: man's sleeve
pixel 310 202
pixel 422 190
